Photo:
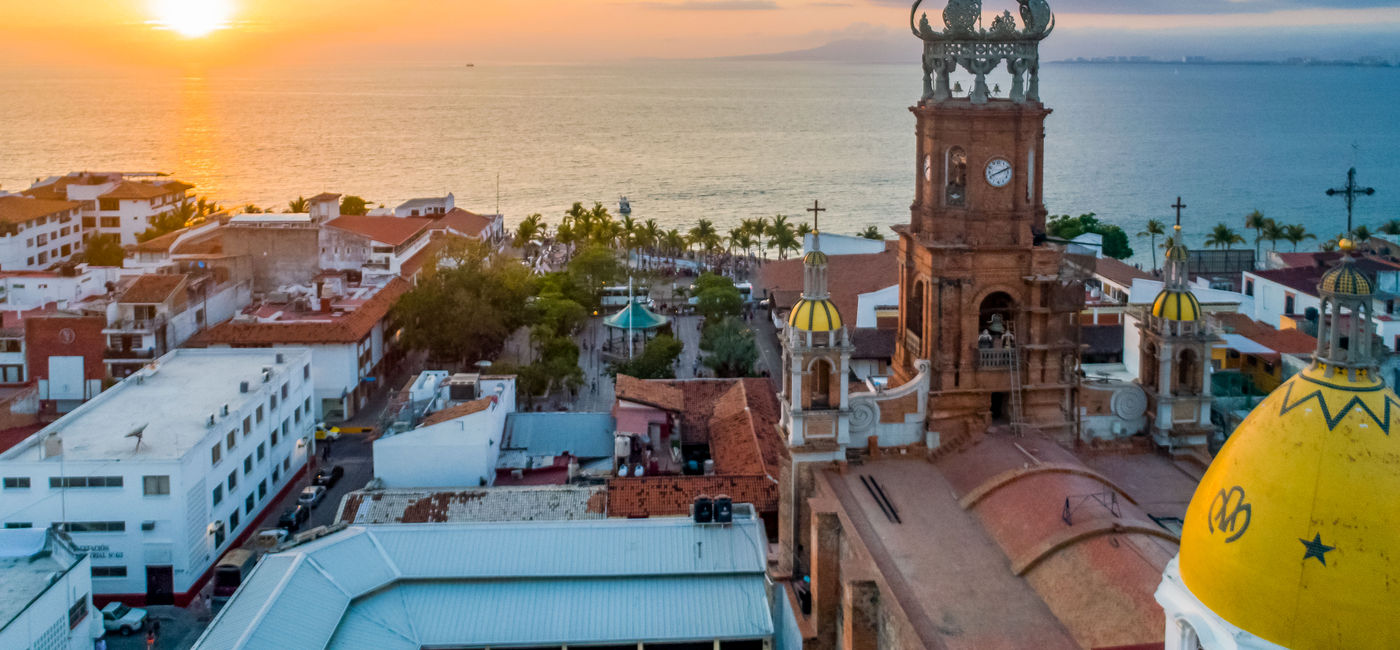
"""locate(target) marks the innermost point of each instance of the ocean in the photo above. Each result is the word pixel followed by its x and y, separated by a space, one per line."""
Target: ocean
pixel 721 140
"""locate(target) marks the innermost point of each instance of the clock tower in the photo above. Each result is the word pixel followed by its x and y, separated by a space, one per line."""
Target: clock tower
pixel 983 298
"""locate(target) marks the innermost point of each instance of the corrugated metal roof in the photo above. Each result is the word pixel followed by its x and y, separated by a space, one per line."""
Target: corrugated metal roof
pixel 586 435
pixel 406 586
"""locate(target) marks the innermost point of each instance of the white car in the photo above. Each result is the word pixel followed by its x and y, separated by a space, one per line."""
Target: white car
pixel 120 618
pixel 311 495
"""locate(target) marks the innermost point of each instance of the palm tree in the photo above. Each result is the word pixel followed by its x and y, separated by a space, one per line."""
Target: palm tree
pixel 1295 234
pixel 673 242
pixel 528 231
pixel 650 234
pixel 871 232
pixel 781 230
pixel 804 229
pixel 759 230
pixel 1155 228
pixel 704 235
pixel 1391 228
pixel 298 205
pixel 1329 246
pixel 1361 234
pixel 1271 231
pixel 1223 237
pixel 184 213
pixel 1255 221
pixel 252 209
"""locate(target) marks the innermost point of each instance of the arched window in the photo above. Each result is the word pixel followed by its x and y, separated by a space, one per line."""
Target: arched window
pixel 914 309
pixel 1188 371
pixel 956 181
pixel 1149 367
pixel 996 307
pixel 821 384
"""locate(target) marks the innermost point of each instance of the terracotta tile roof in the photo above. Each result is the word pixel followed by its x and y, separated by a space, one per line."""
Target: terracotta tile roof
pixel 872 343
pixel 1290 341
pixel 1120 273
pixel 142 190
pixel 19 209
pixel 160 244
pixel 848 276
pixel 659 394
pixel 463 222
pixel 385 230
pixel 350 328
pixel 459 411
pixel 413 265
pixel 12 437
pixel 324 196
pixel 212 244
pixel 660 496
pixel 152 288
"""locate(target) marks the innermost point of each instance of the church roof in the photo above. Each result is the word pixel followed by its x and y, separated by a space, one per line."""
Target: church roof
pixel 1176 305
pixel 815 316
pixel 848 276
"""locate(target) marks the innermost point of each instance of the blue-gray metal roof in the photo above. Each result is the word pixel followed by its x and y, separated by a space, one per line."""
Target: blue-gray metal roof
pixel 586 435
pixel 501 584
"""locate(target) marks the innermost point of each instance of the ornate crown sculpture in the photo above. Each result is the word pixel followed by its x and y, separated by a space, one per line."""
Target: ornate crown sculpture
pixel 979 51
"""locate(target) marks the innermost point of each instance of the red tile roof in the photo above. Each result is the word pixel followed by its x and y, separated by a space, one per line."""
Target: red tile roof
pixel 659 394
pixel 350 328
pixel 459 411
pixel 462 222
pixel 324 196
pixel 847 277
pixel 385 230
pixel 143 190
pixel 413 265
pixel 160 244
pixel 152 288
pixel 1290 341
pixel 19 209
pixel 1118 272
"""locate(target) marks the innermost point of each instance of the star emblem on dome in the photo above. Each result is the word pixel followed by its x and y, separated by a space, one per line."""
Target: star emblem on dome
pixel 1316 549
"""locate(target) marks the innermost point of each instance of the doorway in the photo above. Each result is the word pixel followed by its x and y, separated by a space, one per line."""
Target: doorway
pixel 999 408
pixel 160 585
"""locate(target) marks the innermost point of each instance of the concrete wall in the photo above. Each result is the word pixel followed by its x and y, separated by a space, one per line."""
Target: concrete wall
pixel 456 453
pixel 279 255
pixel 342 250
pixel 43 624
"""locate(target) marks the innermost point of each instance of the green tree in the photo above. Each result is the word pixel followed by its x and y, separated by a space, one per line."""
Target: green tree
pixel 872 232
pixel 354 205
pixel 803 229
pixel 1361 235
pixel 704 236
pixel 1391 228
pixel 657 360
pixel 1222 236
pixel 1115 240
pixel 594 267
pixel 463 310
pixel 1155 228
pixel 1272 232
pixel 716 297
pixel 104 250
pixel 731 348
pixel 1295 234
pixel 298 205
pixel 529 232
pixel 178 217
pixel 673 242
pixel 252 209
pixel 1255 221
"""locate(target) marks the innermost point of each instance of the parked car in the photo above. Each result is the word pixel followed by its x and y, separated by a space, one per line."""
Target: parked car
pixel 328 477
pixel 269 537
pixel 326 432
pixel 293 518
pixel 120 618
pixel 311 495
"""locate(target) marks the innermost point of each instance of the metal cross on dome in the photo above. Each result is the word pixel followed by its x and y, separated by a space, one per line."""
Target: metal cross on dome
pixel 1350 192
pixel 1179 207
pixel 816 211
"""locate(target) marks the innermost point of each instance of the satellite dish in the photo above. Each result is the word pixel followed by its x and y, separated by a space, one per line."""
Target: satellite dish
pixel 137 433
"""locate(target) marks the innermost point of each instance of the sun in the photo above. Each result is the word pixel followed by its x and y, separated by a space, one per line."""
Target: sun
pixel 191 18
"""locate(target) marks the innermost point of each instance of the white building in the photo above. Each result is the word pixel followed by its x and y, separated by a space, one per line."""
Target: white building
pixel 63 288
pixel 45 592
pixel 458 445
pixel 158 476
pixel 37 233
pixel 117 203
pixel 373 245
pixel 427 207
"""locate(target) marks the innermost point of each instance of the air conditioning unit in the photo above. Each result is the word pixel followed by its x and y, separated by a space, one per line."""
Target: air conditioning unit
pixel 211 421
pixel 224 410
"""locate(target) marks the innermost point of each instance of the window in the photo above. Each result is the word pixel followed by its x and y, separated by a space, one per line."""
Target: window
pixel 19 524
pixel 296 415
pixel 287 428
pixel 247 426
pixel 218 494
pixel 107 205
pixel 276 473
pixel 284 391
pixel 262 485
pixel 272 403
pixel 287 463
pixel 248 464
pixel 233 520
pixel 955 179
pixel 16 482
pixel 85 481
pixel 260 414
pixel 108 572
pixel 94 526
pixel 232 481
pixel 306 371
pixel 215 455
pixel 11 374
pixel 274 437
pixel 306 406
pixel 248 504
pixel 111 222
pixel 218 534
pixel 262 450
pixel 1289 303
pixel 78 611
pixel 231 439
pixel 89 222
pixel 1249 286
pixel 156 485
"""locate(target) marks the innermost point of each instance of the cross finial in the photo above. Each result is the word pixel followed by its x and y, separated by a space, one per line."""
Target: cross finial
pixel 816 211
pixel 1179 207
pixel 1350 192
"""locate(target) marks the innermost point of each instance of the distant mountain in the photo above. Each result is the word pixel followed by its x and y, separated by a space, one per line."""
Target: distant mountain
pixel 849 51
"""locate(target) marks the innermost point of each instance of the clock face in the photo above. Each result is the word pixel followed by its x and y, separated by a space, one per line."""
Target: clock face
pixel 998 172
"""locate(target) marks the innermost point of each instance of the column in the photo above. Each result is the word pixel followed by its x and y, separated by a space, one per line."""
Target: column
pixel 861 623
pixel 826 573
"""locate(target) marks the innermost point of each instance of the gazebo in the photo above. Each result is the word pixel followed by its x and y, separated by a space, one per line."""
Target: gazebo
pixel 635 317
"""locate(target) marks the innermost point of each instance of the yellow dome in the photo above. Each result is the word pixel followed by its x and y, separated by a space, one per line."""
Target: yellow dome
pixel 815 316
pixel 1292 533
pixel 814 258
pixel 1346 279
pixel 1176 305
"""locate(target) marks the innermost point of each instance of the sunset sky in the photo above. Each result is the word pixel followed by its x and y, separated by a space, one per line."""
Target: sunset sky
pixel 259 32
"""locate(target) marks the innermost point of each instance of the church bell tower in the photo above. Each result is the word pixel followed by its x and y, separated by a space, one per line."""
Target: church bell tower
pixel 981 289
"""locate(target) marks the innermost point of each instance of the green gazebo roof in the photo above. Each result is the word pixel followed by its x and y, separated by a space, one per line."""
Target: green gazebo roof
pixel 635 316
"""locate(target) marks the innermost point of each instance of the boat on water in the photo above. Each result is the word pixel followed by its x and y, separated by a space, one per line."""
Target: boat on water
pixel 624 207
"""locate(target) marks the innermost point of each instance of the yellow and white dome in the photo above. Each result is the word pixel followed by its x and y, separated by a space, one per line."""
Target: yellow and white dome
pixel 810 315
pixel 1294 532
pixel 1177 304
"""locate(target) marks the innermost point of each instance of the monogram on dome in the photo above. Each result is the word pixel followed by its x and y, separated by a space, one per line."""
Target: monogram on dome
pixel 979 50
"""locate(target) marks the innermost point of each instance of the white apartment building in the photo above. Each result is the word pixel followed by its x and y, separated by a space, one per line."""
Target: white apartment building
pixel 37 233
pixel 374 245
pixel 46 599
pixel 117 203
pixel 158 476
pixel 426 207
pixel 64 287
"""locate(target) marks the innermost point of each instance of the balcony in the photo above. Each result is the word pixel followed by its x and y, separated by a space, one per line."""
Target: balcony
pixel 135 325
pixel 995 358
pixel 119 354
